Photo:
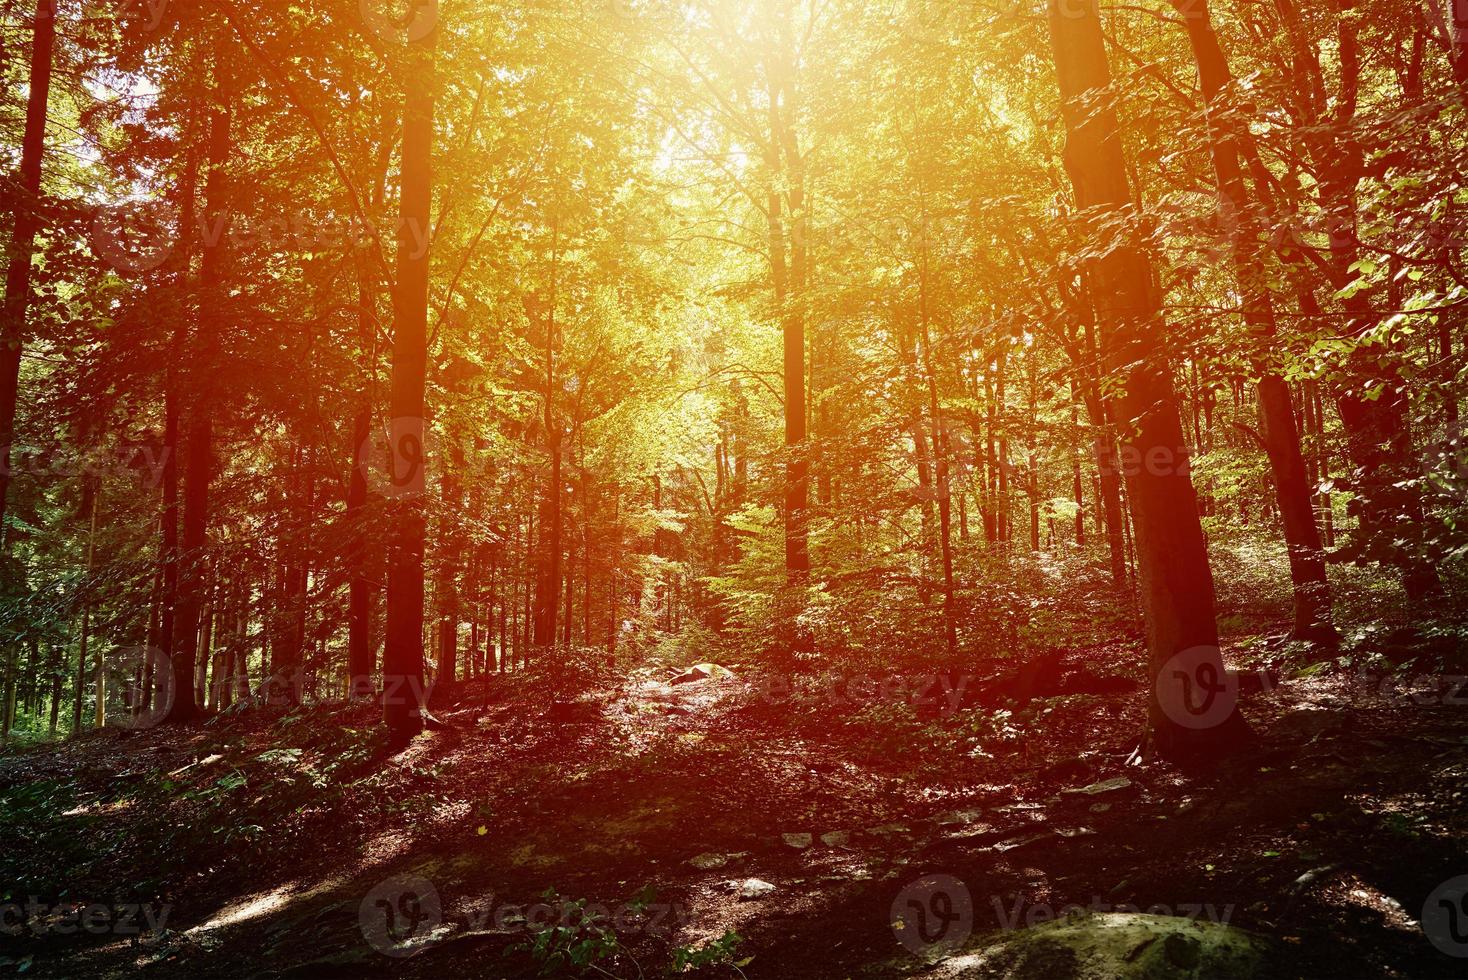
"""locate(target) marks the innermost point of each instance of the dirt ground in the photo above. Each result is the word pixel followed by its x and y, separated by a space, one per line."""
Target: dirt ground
pixel 287 844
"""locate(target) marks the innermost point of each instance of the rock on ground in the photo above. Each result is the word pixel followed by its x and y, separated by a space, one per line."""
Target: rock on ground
pixel 1111 946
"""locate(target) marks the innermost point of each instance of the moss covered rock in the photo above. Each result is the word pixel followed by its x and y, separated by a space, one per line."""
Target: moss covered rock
pixel 1111 946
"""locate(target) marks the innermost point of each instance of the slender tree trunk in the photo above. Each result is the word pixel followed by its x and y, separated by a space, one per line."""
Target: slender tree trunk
pixel 168 526
pixel 569 620
pixel 1103 443
pixel 1460 42
pixel 23 240
pixel 586 584
pixel 940 452
pixel 1177 584
pixel 447 591
pixel 991 467
pixel 7 706
pixel 491 652
pixel 1001 396
pixel 787 248
pixel 242 658
pixel 448 646
pixel 1032 461
pixel 473 664
pixel 927 493
pixel 402 660
pixel 1280 430
pixel 99 673
pixel 359 597
pixel 58 672
pixel 1077 485
pixel 206 649
pixel 199 443
pixel 548 577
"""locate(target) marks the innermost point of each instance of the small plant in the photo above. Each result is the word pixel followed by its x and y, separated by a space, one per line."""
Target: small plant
pixel 716 952
pixel 571 947
pixel 577 943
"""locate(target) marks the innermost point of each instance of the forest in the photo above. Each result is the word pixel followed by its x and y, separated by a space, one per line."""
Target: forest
pixel 961 489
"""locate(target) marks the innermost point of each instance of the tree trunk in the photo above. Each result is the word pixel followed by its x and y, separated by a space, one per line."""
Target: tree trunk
pixel 1312 619
pixel 58 672
pixel 1005 524
pixel 1103 445
pixel 359 599
pixel 940 454
pixel 199 442
pixel 402 659
pixel 23 241
pixel 206 649
pixel 1460 42
pixel 446 590
pixel 1032 461
pixel 99 673
pixel 1177 584
pixel 787 248
pixel 7 703
pixel 1077 484
pixel 548 570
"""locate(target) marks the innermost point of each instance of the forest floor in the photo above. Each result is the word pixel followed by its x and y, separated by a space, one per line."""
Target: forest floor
pixel 286 843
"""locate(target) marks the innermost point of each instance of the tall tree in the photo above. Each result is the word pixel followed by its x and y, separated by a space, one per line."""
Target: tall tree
pixel 1281 431
pixel 1176 581
pixel 198 469
pixel 402 658
pixel 23 236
